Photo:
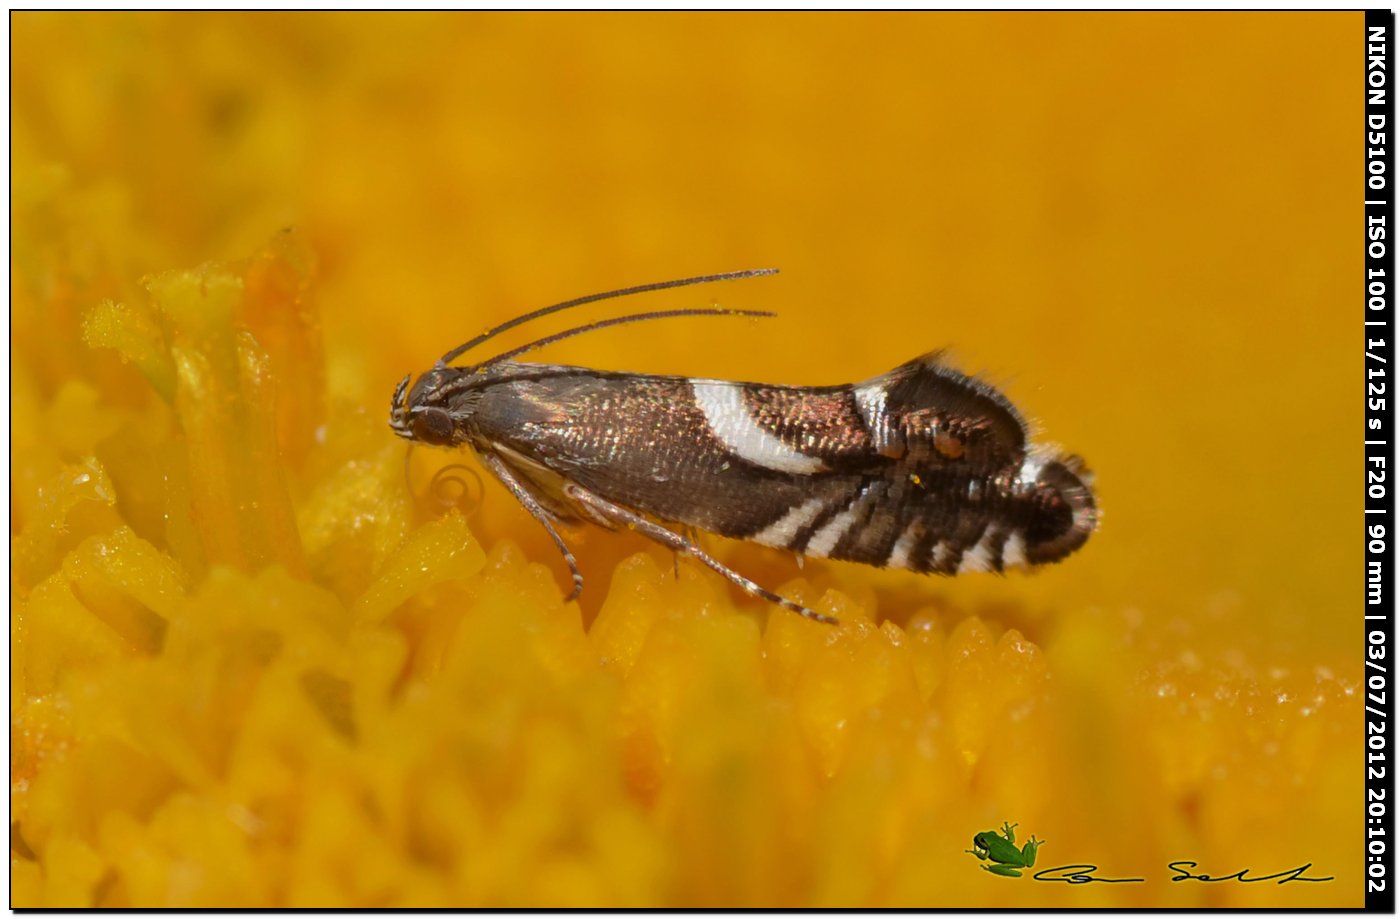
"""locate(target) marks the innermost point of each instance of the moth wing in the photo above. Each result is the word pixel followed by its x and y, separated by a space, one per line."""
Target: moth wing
pixel 945 413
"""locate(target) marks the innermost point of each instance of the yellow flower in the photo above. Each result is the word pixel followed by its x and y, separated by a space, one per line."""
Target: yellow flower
pixel 255 663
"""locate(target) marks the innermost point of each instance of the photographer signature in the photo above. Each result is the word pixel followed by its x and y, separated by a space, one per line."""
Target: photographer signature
pixel 998 850
pixel 1084 874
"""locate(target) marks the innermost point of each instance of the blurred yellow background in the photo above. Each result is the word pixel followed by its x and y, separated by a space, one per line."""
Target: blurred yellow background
pixel 1143 227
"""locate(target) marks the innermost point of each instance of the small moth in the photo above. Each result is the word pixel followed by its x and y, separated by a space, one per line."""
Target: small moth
pixel 922 467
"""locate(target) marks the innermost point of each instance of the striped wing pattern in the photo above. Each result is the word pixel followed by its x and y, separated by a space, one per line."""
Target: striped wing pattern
pixel 921 468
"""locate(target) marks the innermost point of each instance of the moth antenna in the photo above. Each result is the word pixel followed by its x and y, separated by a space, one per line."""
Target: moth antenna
pixel 593 298
pixel 621 320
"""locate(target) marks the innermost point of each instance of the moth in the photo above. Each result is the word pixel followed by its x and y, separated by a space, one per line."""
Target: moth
pixel 922 468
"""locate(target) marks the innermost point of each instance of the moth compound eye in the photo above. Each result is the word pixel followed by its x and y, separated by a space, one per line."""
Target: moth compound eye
pixel 433 425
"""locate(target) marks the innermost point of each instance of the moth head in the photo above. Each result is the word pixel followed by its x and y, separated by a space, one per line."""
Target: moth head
pixel 431 411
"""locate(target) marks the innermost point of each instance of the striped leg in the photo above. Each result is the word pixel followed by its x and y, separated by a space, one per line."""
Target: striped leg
pixel 531 504
pixel 680 544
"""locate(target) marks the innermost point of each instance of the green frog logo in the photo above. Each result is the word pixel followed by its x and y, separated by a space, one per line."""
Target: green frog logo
pixel 1000 849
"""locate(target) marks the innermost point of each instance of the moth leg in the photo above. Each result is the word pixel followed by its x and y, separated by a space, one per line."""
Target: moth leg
pixel 531 504
pixel 680 544
pixel 688 532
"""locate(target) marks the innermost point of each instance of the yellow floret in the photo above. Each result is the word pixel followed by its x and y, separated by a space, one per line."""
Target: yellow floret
pixel 339 699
